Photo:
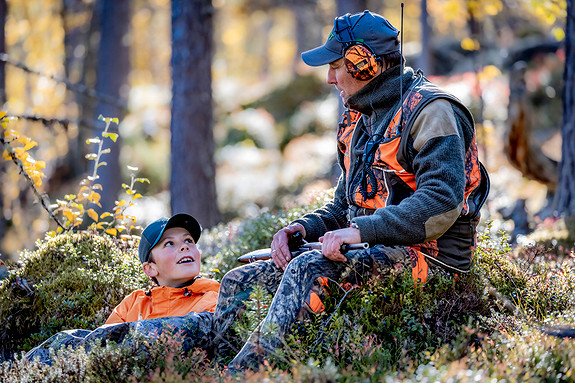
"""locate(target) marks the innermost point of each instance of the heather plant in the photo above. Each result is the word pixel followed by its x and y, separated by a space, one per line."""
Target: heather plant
pixel 71 280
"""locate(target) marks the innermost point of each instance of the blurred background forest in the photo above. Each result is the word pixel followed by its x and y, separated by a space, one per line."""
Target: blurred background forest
pixel 218 111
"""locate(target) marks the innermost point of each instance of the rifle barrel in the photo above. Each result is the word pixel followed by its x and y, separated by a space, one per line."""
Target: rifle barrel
pixel 265 254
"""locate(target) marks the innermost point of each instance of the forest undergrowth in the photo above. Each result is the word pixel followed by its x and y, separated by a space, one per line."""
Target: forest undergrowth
pixel 509 319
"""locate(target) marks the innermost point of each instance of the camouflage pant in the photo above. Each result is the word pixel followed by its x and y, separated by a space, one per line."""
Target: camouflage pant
pixel 193 328
pixel 291 289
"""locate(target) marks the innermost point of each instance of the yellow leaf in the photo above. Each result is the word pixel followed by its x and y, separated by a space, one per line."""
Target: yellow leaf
pixel 92 214
pixel 136 196
pixel 120 203
pixel 111 231
pixel 94 197
pixel 30 144
pixel 112 136
pixel 2 113
pixel 469 44
pixel 100 225
pixel 67 213
pixel 104 215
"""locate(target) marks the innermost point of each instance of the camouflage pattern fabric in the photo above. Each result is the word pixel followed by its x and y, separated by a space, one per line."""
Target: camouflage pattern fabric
pixel 193 328
pixel 292 289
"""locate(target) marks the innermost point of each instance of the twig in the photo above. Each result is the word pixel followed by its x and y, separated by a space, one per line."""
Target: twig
pixel 31 183
pixel 74 87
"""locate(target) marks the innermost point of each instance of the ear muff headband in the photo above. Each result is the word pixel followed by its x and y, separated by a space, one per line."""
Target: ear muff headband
pixel 360 62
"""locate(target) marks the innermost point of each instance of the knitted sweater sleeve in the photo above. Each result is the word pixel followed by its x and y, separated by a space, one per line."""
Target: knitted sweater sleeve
pixel 437 146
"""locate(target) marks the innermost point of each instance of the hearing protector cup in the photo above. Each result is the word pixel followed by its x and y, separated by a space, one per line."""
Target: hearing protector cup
pixel 360 61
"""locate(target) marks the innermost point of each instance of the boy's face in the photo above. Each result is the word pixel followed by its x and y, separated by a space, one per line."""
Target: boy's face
pixel 175 259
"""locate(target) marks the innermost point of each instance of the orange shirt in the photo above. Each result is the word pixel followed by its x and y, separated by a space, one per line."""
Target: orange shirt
pixel 163 301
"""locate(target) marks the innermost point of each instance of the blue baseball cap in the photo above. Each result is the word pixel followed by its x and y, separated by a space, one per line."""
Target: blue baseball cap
pixel 367 28
pixel 153 232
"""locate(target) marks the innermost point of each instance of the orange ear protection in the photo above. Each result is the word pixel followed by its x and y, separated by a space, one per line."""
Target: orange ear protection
pixel 360 62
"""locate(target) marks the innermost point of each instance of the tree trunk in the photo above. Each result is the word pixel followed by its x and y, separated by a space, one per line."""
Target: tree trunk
pixel 192 177
pixel 3 13
pixel 112 83
pixel 424 62
pixel 350 6
pixel 566 189
pixel 307 33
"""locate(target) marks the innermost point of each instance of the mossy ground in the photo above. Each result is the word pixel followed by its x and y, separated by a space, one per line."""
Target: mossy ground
pixel 488 325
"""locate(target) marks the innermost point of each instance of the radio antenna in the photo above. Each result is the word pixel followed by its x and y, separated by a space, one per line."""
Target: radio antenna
pixel 401 68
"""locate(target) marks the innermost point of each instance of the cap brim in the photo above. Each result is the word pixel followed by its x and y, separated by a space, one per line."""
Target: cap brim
pixel 320 56
pixel 187 222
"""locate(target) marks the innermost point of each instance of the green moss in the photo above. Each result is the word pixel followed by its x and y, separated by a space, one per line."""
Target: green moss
pixel 70 281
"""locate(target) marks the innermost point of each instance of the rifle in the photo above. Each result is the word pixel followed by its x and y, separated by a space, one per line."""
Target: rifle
pixel 297 245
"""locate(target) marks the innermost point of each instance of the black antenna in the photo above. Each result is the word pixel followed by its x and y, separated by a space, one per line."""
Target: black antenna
pixel 401 68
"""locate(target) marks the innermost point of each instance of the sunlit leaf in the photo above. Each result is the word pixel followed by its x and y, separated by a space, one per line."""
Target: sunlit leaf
pixel 92 214
pixel 91 156
pixel 105 214
pixel 132 168
pixel 112 231
pixel 112 136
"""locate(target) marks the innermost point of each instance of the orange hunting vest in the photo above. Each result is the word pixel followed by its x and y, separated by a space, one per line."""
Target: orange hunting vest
pixel 396 181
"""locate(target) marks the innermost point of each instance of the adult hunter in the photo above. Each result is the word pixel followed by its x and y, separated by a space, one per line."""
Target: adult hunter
pixel 411 186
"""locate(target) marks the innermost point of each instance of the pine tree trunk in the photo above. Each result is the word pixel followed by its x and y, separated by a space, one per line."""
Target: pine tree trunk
pixel 192 178
pixel 3 13
pixel 566 190
pixel 112 81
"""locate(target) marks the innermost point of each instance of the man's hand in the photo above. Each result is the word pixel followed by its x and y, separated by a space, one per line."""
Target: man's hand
pixel 332 241
pixel 280 249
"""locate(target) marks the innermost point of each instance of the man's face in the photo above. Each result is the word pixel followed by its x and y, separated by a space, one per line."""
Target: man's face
pixel 175 258
pixel 344 82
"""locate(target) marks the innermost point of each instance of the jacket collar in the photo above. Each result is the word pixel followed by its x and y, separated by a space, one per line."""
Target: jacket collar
pixel 382 93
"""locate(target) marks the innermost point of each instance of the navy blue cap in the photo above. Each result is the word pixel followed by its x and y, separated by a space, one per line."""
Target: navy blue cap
pixel 367 28
pixel 153 232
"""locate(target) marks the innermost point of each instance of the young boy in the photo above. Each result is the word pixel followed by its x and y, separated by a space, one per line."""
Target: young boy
pixel 170 257
pixel 182 302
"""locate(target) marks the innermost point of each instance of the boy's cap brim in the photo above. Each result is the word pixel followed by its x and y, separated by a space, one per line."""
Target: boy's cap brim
pixel 154 231
pixel 367 28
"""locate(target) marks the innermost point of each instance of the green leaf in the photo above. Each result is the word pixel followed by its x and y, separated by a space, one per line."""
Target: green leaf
pixel 101 118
